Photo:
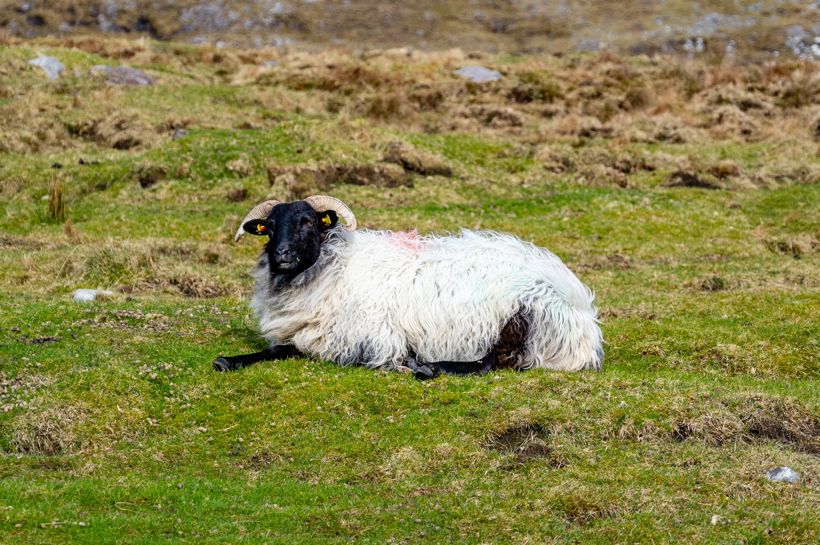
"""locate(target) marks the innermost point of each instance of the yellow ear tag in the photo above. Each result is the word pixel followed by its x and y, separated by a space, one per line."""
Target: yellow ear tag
pixel 260 228
pixel 326 220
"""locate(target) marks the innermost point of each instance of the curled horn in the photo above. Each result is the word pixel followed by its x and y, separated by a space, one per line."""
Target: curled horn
pixel 258 212
pixel 324 202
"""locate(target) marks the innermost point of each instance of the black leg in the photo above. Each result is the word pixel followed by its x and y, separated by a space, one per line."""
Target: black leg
pixel 232 363
pixel 480 367
pixel 428 370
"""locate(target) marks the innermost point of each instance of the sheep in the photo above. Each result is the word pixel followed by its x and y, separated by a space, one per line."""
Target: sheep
pixel 456 304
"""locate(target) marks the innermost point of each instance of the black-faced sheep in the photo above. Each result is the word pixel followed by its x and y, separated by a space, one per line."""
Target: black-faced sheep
pixel 458 304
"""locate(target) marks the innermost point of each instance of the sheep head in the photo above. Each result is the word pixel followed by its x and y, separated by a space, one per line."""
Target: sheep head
pixel 296 229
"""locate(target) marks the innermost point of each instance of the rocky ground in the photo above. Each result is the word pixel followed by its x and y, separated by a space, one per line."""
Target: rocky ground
pixel 713 29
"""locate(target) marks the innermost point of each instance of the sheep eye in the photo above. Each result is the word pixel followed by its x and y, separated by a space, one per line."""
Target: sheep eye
pixel 306 221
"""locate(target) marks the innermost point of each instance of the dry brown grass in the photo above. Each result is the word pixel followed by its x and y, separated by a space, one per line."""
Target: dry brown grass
pixel 47 431
pixel 152 266
pixel 56 202
pixel 738 421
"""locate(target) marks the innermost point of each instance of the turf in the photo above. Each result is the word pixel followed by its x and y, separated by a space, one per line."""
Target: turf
pixel 113 427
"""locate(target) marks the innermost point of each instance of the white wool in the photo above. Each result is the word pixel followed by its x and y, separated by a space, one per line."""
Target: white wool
pixel 376 297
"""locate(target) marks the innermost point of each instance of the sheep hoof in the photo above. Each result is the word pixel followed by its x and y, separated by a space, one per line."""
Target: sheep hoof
pixel 420 370
pixel 425 372
pixel 222 365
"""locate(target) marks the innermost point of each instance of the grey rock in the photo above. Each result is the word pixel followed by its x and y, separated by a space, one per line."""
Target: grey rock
pixel 122 75
pixel 179 133
pixel 783 474
pixel 51 66
pixel 478 74
pixel 84 295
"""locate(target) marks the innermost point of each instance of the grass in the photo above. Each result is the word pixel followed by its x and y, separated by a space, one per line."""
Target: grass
pixel 113 427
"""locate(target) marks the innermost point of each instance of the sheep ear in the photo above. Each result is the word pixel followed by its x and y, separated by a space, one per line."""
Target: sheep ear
pixel 255 227
pixel 327 219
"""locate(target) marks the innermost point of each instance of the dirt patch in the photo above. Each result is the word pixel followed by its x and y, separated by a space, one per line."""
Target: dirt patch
pixel 684 178
pixel 414 160
pixel 523 442
pixel 712 283
pixel 236 195
pixel 46 432
pixel 752 420
pixel 794 247
pixel 301 181
pixel 118 130
pixel 148 175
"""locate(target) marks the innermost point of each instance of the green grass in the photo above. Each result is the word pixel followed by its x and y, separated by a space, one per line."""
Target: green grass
pixel 114 428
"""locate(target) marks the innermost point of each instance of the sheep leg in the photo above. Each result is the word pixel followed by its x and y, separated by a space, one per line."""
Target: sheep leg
pixel 232 363
pixel 480 367
pixel 428 370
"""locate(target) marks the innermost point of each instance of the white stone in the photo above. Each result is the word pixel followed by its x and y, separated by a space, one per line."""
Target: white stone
pixel 84 294
pixel 51 66
pixel 478 74
pixel 783 474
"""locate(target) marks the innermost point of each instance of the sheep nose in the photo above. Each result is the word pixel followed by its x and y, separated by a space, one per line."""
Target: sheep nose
pixel 285 253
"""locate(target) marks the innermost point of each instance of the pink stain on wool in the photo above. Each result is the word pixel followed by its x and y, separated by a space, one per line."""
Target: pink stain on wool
pixel 409 240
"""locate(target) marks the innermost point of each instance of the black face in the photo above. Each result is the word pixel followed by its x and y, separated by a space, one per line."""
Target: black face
pixel 295 230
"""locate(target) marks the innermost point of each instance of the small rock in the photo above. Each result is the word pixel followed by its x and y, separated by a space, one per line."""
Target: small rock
pixel 122 75
pixel 84 294
pixel 478 74
pixel 51 66
pixel 179 133
pixel 783 474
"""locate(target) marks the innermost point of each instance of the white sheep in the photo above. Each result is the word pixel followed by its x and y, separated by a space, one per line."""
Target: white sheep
pixel 457 304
